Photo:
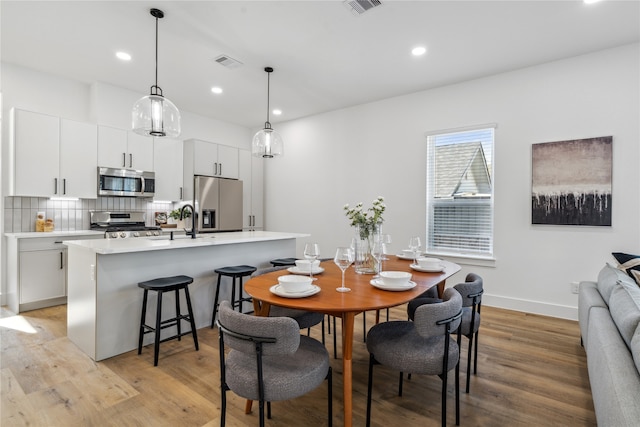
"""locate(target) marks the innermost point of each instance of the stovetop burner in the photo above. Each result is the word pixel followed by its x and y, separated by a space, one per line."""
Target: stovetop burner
pixel 121 225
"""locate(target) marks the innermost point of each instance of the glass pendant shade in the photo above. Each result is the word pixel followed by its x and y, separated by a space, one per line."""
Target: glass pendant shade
pixel 267 143
pixel 155 115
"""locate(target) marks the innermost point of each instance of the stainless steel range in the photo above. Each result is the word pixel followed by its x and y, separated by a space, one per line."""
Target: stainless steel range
pixel 122 225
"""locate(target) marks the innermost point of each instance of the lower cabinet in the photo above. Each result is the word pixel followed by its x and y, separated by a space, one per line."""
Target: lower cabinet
pixel 43 275
pixel 37 271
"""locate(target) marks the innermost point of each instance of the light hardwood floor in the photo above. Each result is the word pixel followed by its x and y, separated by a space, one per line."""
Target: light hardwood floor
pixel 531 372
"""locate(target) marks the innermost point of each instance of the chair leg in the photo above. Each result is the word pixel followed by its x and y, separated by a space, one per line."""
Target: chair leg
pixel 400 383
pixel 233 294
pixel 178 321
pixel 142 320
pixel 192 321
pixel 369 388
pixel 156 346
pixel 475 356
pixel 215 303
pixel 457 388
pixel 261 412
pixel 268 410
pixel 330 397
pixel 364 326
pixel 444 398
pixel 469 351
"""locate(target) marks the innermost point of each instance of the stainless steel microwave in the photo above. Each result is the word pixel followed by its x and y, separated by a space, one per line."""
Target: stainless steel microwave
pixel 125 182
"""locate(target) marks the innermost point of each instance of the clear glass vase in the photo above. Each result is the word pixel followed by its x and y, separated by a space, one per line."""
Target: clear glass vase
pixel 364 237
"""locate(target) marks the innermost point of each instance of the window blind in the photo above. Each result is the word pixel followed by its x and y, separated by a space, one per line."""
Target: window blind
pixel 460 192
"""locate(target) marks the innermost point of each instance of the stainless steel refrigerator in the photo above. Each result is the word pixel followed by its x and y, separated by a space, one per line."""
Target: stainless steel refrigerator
pixel 218 204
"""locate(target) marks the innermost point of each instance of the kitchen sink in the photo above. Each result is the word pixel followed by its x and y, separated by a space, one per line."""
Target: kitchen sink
pixel 179 237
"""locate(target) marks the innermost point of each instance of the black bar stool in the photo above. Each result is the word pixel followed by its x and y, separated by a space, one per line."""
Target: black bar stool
pixel 162 285
pixel 283 262
pixel 236 271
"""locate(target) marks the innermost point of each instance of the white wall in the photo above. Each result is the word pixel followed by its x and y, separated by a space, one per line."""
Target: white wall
pixel 356 154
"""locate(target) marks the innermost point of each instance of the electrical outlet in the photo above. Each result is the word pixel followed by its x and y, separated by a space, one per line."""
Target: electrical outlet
pixel 575 287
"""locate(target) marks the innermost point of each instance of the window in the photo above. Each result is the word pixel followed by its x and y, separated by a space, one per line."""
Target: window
pixel 460 192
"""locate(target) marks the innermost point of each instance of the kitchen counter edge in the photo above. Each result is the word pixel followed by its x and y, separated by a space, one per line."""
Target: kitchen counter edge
pixel 120 246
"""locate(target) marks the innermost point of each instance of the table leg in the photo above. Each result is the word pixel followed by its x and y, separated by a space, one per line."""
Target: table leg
pixel 440 288
pixel 347 375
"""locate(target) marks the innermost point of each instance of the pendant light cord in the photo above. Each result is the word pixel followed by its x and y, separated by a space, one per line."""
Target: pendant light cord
pixel 156 51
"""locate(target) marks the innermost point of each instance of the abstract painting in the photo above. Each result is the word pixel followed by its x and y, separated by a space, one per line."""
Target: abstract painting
pixel 571 182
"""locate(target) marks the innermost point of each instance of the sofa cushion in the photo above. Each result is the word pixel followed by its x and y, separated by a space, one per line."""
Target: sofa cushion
pixel 608 278
pixel 614 379
pixel 635 348
pixel 629 263
pixel 624 306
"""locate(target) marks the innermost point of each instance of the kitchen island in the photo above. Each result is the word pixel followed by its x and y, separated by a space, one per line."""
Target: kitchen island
pixel 104 301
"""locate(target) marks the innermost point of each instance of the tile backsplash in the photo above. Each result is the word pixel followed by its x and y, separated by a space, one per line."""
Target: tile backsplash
pixel 70 215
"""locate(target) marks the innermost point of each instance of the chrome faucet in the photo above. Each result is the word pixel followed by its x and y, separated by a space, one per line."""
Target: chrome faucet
pixel 193 220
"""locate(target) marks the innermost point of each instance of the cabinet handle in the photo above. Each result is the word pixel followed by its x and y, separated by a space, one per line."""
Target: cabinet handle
pixel 64 186
pixel 215 168
pixel 130 160
pixel 220 173
pixel 180 193
pixel 61 260
pixel 55 185
pixel 124 160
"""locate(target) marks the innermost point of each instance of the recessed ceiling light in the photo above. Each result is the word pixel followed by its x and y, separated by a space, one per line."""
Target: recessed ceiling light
pixel 217 90
pixel 418 51
pixel 277 112
pixel 123 56
pixel 591 1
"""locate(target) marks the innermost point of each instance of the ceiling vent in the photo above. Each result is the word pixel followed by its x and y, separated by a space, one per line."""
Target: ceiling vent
pixel 358 7
pixel 228 61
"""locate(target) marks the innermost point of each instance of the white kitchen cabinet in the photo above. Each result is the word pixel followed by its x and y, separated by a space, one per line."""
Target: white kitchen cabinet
pixel 167 160
pixel 43 275
pixel 119 148
pixel 251 170
pixel 37 269
pixel 207 158
pixel 78 159
pixel 52 156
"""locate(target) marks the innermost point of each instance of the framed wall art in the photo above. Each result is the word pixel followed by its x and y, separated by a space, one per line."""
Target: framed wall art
pixel 571 182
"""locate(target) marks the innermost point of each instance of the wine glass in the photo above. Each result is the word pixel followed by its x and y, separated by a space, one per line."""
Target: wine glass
pixel 414 245
pixel 311 252
pixel 386 242
pixel 343 259
pixel 376 253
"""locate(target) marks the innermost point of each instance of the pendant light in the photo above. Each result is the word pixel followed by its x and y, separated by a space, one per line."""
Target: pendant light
pixel 155 115
pixel 267 142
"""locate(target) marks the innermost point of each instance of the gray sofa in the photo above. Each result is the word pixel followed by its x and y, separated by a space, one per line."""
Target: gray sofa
pixel 609 315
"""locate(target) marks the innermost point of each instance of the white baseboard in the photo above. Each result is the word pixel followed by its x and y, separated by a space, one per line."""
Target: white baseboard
pixel 528 306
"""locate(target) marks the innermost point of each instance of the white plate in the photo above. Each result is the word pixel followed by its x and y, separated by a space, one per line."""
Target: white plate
pixel 403 256
pixel 378 283
pixel 296 270
pixel 278 290
pixel 427 270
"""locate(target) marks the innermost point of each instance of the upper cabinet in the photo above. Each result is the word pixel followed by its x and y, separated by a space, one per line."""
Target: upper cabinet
pixel 118 148
pixel 207 158
pixel 52 157
pixel 251 174
pixel 167 160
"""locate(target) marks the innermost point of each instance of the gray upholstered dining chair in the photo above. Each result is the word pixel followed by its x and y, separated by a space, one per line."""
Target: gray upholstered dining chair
pixel 471 291
pixel 423 346
pixel 269 360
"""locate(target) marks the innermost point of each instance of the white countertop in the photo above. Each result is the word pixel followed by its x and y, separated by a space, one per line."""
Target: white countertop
pixel 144 244
pixel 34 235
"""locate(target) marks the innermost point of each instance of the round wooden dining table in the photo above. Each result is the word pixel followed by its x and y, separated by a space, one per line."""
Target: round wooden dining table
pixel 346 305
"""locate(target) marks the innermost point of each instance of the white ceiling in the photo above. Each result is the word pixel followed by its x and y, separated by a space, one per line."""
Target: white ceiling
pixel 324 56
